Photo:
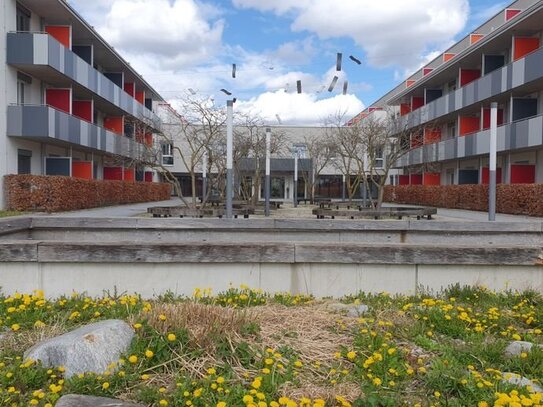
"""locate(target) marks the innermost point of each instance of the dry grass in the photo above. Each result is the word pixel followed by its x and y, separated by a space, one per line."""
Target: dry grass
pixel 307 388
pixel 24 340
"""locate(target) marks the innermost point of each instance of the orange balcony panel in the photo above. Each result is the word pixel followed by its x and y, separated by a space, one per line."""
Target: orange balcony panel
pixel 469 125
pixel 82 169
pixel 149 139
pixel 522 46
pixel 403 179
pixel 469 75
pixel 60 99
pixel 426 71
pixel 475 38
pixel 431 178
pixel 113 173
pixel 522 174
pixel 448 56
pixel 432 135
pixel 405 108
pixel 511 13
pixel 114 124
pixel 485 176
pixel 409 83
pixel 129 175
pixel 130 88
pixel 62 33
pixel 140 96
pixel 415 179
pixel 486 118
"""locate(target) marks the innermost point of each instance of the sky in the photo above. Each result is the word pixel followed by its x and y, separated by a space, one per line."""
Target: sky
pixel 187 47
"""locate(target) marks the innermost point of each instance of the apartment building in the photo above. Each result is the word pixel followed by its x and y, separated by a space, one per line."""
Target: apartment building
pixel 445 106
pixel 70 104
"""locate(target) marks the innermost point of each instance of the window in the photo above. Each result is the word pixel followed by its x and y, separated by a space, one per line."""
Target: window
pixel 451 130
pixel 452 86
pixel 23 161
pixel 23 19
pixel 167 154
pixel 22 81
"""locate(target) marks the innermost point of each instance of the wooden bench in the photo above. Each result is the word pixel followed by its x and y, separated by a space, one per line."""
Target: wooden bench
pixel 183 211
pixel 399 213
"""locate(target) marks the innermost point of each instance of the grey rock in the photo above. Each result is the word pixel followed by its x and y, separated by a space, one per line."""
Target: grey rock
pixel 91 348
pixel 517 347
pixel 518 380
pixel 74 400
pixel 352 310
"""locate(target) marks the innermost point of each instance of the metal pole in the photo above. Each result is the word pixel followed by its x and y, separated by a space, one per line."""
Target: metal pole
pixel 343 188
pixel 204 177
pixel 267 182
pixel 492 162
pixel 229 157
pixel 295 190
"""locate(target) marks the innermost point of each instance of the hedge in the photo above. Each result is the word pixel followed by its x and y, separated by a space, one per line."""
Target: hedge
pixel 56 193
pixel 515 199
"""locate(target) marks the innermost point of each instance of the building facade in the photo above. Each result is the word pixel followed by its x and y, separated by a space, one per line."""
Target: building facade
pixel 445 106
pixel 70 105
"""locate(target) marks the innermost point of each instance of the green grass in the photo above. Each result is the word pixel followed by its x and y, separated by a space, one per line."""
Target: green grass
pixel 242 347
pixel 5 214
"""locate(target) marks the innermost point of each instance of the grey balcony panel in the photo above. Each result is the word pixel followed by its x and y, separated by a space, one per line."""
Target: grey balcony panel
pixel 484 87
pixel 470 146
pixel 20 49
pixel 519 134
pixel 461 147
pixel 452 101
pixel 532 67
pixel 517 74
pixel 482 142
pixel 46 124
pixel 535 132
pixel 42 49
pixel 502 137
pixel 451 148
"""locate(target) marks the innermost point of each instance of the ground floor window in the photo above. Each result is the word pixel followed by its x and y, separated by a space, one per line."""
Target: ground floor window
pixel 24 158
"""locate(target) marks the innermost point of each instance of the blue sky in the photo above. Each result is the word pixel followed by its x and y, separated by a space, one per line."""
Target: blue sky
pixel 182 44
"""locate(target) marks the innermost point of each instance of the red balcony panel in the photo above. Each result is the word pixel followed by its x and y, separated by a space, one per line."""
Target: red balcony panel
pixel 416 102
pixel 129 175
pixel 426 71
pixel 448 56
pixel 469 125
pixel 522 46
pixel 114 124
pixel 62 33
pixel 84 109
pixel 403 179
pixel 113 173
pixel 486 118
pixel 485 175
pixel 511 13
pixel 469 75
pixel 405 108
pixel 431 178
pixel 148 176
pixel 60 99
pixel 475 38
pixel 432 135
pixel 149 139
pixel 130 88
pixel 140 96
pixel 415 179
pixel 522 174
pixel 82 169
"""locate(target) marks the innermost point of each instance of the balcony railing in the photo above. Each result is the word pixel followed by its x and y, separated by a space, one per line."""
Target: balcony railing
pixel 40 49
pixel 512 136
pixel 46 124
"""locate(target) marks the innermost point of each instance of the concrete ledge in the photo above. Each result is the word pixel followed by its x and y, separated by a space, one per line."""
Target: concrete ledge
pixel 14 224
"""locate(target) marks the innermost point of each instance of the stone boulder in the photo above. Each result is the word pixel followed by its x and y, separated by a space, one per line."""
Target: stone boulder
pixel 74 400
pixel 91 348
pixel 518 380
pixel 517 347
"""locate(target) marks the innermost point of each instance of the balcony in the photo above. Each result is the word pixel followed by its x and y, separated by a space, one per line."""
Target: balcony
pixel 513 136
pixel 519 74
pixel 41 55
pixel 48 125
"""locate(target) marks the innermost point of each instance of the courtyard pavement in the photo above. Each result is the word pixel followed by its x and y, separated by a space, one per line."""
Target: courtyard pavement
pixel 286 212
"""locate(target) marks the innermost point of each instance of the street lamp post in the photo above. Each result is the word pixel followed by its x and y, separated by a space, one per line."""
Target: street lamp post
pixel 204 177
pixel 295 190
pixel 492 162
pixel 229 156
pixel 267 182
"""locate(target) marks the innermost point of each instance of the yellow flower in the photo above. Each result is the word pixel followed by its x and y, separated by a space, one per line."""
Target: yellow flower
pixel 377 381
pixel 171 337
pixel 15 327
pixel 163 402
pixel 221 404
pixel 351 355
pixel 133 359
pixel 149 354
pixel 105 385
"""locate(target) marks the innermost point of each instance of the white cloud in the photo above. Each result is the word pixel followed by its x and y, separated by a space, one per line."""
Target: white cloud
pixel 392 32
pixel 303 109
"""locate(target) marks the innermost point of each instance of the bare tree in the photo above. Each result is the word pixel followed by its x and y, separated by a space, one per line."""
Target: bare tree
pixel 320 150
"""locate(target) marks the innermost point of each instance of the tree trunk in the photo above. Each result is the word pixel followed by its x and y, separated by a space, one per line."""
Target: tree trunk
pixel 380 196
